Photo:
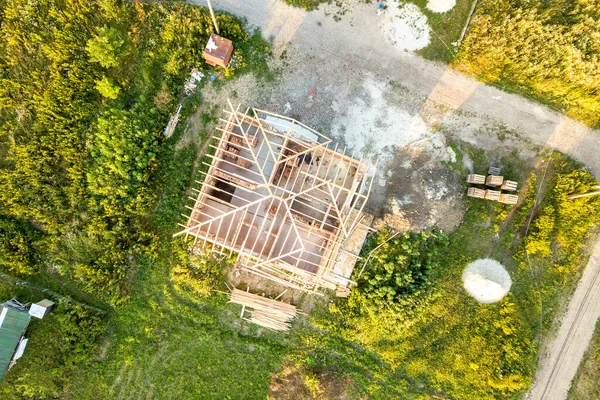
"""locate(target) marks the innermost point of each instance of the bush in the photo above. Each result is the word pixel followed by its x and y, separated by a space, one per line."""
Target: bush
pixel 197 274
pixel 18 246
pixel 397 276
pixel 308 5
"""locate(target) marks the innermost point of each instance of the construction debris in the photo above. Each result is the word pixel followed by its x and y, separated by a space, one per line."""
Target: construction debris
pixel 265 312
pixel 172 123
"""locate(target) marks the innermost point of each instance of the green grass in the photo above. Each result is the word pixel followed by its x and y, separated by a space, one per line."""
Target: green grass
pixel 458 348
pixel 446 29
pixel 585 384
pixel 164 345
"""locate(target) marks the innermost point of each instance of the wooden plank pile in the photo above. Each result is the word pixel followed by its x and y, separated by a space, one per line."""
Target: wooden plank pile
pixel 508 198
pixel 265 312
pixel 476 179
pixel 510 186
pixel 475 192
pixel 493 179
pixel 493 195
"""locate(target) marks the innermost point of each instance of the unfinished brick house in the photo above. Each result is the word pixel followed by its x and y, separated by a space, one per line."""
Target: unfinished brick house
pixel 280 197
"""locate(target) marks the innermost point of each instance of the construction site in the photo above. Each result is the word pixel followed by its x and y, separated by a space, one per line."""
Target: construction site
pixel 286 200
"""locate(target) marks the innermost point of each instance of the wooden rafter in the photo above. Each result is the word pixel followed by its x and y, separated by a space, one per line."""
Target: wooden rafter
pixel 325 215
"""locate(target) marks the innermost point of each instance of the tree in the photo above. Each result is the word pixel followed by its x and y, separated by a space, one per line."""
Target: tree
pixel 103 48
pixel 107 88
pixel 397 277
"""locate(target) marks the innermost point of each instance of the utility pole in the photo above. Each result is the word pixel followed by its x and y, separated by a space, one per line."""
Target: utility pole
pixel 585 194
pixel 212 15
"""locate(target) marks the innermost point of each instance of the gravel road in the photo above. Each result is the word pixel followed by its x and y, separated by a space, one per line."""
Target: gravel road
pixel 349 67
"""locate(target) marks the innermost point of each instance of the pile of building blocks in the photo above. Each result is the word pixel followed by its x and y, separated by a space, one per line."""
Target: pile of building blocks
pixel 493 180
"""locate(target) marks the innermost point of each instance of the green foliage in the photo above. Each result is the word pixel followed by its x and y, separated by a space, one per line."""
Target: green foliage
pixel 306 4
pixel 197 274
pixel 313 385
pixel 86 91
pixel 397 277
pixel 557 242
pixel 585 384
pixel 59 346
pixel 103 47
pixel 574 218
pixel 107 88
pixel 539 242
pixel 19 251
pixel 549 49
pixel 124 154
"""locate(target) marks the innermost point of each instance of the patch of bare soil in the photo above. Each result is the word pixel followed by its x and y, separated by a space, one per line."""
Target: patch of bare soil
pixel 293 383
pixel 103 350
pixel 419 193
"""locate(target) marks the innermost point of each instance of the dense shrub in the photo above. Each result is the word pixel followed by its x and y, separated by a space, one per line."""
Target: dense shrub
pixel 198 274
pixel 86 89
pixel 19 246
pixel 306 4
pixel 397 277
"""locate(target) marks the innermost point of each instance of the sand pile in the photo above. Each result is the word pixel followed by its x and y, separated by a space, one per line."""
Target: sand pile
pixel 441 6
pixel 406 27
pixel 486 280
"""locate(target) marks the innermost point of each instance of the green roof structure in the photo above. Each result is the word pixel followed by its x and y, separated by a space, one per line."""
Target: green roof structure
pixel 13 323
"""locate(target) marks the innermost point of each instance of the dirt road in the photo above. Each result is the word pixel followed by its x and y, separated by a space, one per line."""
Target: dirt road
pixel 564 353
pixel 346 80
pixel 356 43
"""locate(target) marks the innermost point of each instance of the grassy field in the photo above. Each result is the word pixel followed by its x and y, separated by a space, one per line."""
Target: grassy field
pixel 446 29
pixel 585 384
pixel 163 343
pixel 457 348
pixel 546 50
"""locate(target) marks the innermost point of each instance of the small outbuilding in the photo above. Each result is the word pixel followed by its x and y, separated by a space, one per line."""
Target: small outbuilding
pixel 218 51
pixel 14 320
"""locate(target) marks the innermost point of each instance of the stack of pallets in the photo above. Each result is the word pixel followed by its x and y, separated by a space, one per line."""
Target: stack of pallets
pixel 493 180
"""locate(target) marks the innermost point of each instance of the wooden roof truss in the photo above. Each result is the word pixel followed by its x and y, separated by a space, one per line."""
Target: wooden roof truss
pixel 277 194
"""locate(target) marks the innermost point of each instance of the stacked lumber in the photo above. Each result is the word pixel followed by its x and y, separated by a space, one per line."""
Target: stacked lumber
pixel 511 186
pixel 494 180
pixel 476 179
pixel 508 198
pixel 493 195
pixel 475 192
pixel 494 171
pixel 265 312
